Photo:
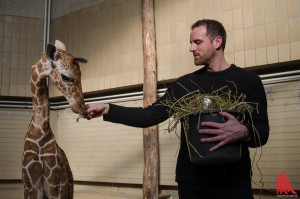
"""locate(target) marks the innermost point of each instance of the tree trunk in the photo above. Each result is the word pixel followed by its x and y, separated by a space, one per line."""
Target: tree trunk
pixel 150 135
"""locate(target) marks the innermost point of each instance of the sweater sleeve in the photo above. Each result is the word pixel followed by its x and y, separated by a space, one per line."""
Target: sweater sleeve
pixel 259 127
pixel 138 116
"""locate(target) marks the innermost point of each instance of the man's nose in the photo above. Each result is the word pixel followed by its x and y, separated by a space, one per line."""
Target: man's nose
pixel 192 47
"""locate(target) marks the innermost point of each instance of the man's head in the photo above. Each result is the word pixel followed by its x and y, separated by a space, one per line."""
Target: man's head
pixel 213 29
pixel 207 38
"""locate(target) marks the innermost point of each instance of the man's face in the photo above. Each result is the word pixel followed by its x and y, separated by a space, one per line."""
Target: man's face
pixel 201 46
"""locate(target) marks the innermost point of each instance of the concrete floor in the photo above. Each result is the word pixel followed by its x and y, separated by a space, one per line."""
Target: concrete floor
pixel 15 191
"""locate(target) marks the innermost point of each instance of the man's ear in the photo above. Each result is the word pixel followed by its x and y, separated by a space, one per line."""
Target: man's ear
pixel 50 52
pixel 218 42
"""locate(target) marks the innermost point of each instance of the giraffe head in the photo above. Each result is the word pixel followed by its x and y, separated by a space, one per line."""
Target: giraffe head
pixel 66 75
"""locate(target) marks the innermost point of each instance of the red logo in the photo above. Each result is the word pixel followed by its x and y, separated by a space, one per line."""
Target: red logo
pixel 284 187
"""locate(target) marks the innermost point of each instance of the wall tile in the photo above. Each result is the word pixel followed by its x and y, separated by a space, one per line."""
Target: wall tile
pixel 284 52
pixel 239 59
pixel 248 16
pixel 261 56
pixel 271 35
pixel 1 29
pixel 281 10
pixel 282 31
pixel 7 29
pixel 13 90
pixel 238 36
pixel 13 76
pixel 293 8
pixel 260 36
pixel 294 29
pixel 14 45
pixel 23 61
pixel 120 80
pixel 15 30
pixel 163 72
pixel 230 57
pixel 21 90
pixel 249 38
pixel 23 31
pixel 226 5
pixel 28 91
pixel 101 83
pixel 6 60
pixel 14 60
pixel 272 54
pixel 227 20
pixel 134 77
pixel 236 3
pixel 127 78
pixel 250 58
pixel 23 46
pixel 207 7
pixel 238 18
pixel 258 14
pixel 198 9
pixel 1 44
pixel 295 49
pixel 6 44
pixel 190 12
pixel 270 15
pixel 217 6
pixel 107 82
pixel 31 31
pixel 180 11
pixel 5 89
pixel 95 84
pixel 21 77
pixel 5 76
pixel 30 46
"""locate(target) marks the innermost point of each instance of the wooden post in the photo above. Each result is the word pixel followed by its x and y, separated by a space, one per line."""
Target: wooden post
pixel 150 135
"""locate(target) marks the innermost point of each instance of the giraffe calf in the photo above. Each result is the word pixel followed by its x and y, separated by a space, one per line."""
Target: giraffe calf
pixel 46 171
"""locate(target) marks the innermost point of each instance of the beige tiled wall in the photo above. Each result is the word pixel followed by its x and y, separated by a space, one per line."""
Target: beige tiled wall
pixel 109 35
pixel 21 42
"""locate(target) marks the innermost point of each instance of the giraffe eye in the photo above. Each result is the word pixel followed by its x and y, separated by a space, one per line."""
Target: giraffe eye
pixel 66 78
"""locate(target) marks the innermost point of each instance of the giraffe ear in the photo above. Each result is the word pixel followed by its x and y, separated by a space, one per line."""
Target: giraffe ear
pixel 50 52
pixel 81 60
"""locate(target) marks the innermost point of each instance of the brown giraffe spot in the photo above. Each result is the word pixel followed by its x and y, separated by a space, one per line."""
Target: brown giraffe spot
pixel 55 177
pixel 34 75
pixel 34 133
pixel 44 58
pixel 35 169
pixel 46 126
pixel 31 146
pixel 54 190
pixel 45 139
pixel 29 156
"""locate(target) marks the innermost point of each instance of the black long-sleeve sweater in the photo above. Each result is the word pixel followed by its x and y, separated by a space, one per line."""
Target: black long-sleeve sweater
pixel 237 173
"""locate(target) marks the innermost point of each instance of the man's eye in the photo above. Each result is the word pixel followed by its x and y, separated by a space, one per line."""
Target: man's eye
pixel 66 78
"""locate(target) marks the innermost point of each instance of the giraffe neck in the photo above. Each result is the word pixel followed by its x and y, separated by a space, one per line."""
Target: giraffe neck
pixel 39 89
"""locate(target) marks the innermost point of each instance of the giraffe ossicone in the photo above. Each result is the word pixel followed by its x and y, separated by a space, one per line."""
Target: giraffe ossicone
pixel 46 172
pixel 58 44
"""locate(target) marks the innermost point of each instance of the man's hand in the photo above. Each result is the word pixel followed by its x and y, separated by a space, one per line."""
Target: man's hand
pixel 96 110
pixel 230 131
